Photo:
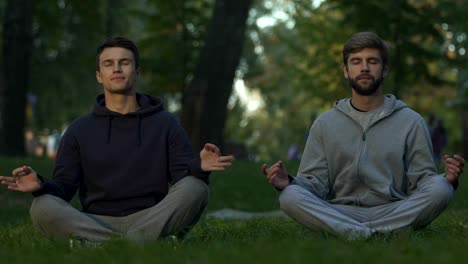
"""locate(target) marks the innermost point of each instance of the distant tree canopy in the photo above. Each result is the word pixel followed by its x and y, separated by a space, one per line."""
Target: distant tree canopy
pixel 67 34
pixel 63 39
pixel 297 63
pixel 291 58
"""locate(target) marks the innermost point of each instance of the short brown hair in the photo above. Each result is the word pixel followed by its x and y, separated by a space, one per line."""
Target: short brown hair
pixel 362 40
pixel 119 42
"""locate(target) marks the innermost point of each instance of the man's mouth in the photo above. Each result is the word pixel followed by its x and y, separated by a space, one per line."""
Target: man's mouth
pixel 364 77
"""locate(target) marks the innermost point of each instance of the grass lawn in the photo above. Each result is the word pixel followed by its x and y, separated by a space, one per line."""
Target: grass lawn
pixel 274 240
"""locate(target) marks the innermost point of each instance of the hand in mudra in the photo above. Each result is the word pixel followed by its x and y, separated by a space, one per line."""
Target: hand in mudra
pixel 23 179
pixel 211 159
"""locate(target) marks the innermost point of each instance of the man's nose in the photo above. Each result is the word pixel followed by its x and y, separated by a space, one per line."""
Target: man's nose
pixel 117 67
pixel 364 66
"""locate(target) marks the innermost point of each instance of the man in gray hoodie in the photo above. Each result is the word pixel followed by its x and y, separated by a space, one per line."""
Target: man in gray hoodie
pixel 367 166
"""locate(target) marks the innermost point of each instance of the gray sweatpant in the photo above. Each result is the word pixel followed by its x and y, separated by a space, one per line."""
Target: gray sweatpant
pixel 418 210
pixel 174 215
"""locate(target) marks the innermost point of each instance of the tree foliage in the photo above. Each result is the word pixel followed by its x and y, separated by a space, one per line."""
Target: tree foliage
pixel 170 35
pixel 300 72
pixel 293 62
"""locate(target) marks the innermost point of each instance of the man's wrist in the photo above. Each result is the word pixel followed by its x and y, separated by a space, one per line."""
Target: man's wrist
pixel 40 190
pixel 454 183
pixel 290 179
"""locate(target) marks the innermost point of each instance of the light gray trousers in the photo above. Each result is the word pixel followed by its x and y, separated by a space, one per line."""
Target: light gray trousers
pixel 352 222
pixel 174 215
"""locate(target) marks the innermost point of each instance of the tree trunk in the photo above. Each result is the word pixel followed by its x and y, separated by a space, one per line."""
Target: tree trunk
pixel 17 48
pixel 206 96
pixel 464 151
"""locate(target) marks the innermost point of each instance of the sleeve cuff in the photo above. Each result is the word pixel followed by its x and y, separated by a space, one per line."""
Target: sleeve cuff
pixel 196 171
pixel 42 190
pixel 455 185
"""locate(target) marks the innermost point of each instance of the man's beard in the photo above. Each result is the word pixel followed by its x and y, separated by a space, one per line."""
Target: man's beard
pixel 370 90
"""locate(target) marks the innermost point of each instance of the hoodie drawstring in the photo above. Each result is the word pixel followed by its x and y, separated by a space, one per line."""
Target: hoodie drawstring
pixel 109 126
pixel 139 130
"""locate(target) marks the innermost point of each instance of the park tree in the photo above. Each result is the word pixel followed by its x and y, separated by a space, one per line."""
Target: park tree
pixel 15 74
pixel 171 36
pixel 206 96
pixel 455 49
pixel 286 62
pixel 192 50
pixel 63 62
pixel 300 57
pixel 115 18
pixel 411 29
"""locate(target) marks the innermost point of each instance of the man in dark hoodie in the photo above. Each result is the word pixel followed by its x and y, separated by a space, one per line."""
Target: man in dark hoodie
pixel 122 157
pixel 367 166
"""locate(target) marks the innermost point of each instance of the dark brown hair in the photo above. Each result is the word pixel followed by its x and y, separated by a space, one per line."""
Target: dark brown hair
pixel 120 42
pixel 362 40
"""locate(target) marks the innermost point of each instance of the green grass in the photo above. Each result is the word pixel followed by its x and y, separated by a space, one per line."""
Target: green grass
pixel 264 240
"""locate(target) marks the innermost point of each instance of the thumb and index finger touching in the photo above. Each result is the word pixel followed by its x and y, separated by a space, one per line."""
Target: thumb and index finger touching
pixel 212 148
pixel 455 160
pixel 459 159
pixel 265 168
pixel 23 170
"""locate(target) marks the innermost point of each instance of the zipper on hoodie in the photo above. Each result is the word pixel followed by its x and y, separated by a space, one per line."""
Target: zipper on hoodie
pixel 363 181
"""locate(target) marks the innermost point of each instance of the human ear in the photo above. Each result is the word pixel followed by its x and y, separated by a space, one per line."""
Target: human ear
pixel 385 71
pixel 345 71
pixel 98 77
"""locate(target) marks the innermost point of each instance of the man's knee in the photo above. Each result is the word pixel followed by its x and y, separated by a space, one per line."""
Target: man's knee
pixel 193 189
pixel 437 195
pixel 290 198
pixel 440 191
pixel 199 187
pixel 42 209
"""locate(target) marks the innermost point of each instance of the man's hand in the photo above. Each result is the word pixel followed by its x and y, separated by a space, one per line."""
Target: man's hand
pixel 276 175
pixel 23 179
pixel 453 167
pixel 211 159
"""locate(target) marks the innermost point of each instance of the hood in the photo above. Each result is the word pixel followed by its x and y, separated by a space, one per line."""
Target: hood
pixel 149 105
pixel 391 105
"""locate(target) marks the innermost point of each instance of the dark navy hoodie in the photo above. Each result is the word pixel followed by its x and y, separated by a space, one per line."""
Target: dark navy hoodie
pixel 122 163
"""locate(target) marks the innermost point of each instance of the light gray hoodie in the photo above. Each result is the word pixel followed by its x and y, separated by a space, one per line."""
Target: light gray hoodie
pixel 344 163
